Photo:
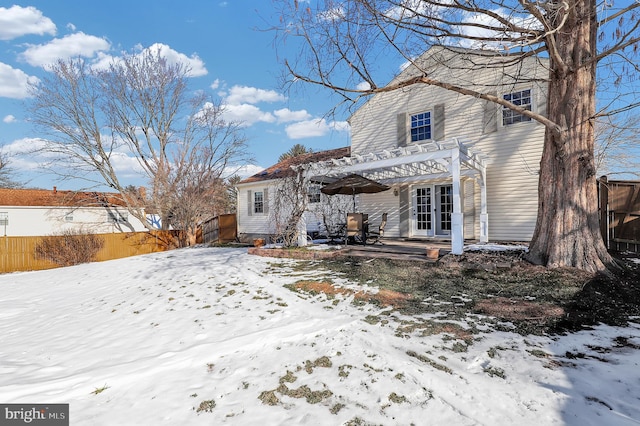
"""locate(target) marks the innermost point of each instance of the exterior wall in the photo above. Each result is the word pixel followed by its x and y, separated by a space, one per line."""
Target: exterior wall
pixel 42 221
pixel 253 225
pixel 513 152
pixel 262 225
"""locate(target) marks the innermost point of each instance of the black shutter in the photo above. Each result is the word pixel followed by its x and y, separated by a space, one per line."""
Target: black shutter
pixel 402 128
pixel 438 122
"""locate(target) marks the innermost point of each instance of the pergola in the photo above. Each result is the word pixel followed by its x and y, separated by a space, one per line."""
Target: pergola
pixel 451 158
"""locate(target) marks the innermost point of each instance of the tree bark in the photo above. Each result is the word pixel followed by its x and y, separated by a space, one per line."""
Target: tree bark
pixel 567 232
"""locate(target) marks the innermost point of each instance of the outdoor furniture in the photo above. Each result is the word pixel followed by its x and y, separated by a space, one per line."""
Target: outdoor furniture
pixel 357 227
pixel 376 236
pixel 336 234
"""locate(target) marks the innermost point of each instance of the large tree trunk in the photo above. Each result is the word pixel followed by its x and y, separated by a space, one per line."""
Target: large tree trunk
pixel 567 231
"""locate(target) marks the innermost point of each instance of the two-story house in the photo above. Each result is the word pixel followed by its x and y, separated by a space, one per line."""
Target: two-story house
pixel 459 167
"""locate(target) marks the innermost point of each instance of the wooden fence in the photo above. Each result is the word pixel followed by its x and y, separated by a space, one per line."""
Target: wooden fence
pixel 620 214
pixel 18 253
pixel 220 229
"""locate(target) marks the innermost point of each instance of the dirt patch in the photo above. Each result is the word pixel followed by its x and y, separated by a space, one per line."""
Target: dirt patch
pixel 383 297
pixel 518 310
pixel 294 253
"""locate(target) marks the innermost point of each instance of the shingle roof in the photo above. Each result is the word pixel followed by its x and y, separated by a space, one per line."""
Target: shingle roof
pixel 283 168
pixel 48 198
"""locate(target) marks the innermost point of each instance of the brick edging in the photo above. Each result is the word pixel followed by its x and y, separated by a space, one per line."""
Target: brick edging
pixel 295 254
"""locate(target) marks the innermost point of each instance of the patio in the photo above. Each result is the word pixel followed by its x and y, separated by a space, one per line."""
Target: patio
pixel 400 249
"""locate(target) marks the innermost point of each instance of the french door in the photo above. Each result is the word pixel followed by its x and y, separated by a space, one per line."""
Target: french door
pixel 431 209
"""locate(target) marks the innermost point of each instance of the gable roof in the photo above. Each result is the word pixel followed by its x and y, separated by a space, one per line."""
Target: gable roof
pixel 283 168
pixel 55 198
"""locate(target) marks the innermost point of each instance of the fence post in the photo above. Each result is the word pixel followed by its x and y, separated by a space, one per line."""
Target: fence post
pixel 604 209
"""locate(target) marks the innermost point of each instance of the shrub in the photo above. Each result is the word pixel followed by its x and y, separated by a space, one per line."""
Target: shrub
pixel 69 248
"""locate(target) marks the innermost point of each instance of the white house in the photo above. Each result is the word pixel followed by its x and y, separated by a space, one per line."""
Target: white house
pixel 256 197
pixel 460 167
pixel 38 212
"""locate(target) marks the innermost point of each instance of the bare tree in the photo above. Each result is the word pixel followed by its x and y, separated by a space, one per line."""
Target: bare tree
pixel 289 204
pixel 6 172
pixel 617 145
pixel 343 41
pixel 140 108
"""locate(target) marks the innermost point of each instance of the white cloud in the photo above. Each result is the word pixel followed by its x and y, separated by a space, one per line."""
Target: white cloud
pixel 285 115
pixel 195 64
pixel 314 128
pixel 71 27
pixel 77 44
pixel 17 21
pixel 244 171
pixel 332 14
pixel 14 83
pixel 243 94
pixel 9 119
pixel 215 85
pixel 364 86
pixel 125 165
pixel 246 114
pixel 21 155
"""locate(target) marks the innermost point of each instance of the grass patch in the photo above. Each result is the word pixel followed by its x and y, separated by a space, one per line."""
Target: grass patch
pixel 207 406
pixel 97 391
pixel 429 361
pixel 536 300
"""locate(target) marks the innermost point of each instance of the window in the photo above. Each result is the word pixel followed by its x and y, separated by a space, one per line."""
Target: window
pixel 421 126
pixel 117 217
pixel 521 98
pixel 68 217
pixel 313 193
pixel 258 202
pixel 4 218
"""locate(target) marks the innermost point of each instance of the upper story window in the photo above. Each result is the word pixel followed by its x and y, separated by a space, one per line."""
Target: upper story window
pixel 68 217
pixel 313 194
pixel 258 202
pixel 4 218
pixel 521 98
pixel 421 126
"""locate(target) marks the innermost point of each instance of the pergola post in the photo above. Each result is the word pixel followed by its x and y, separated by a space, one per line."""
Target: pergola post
pixel 302 231
pixel 484 217
pixel 457 234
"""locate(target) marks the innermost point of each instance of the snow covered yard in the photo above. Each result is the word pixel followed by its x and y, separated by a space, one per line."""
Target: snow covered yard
pixel 215 336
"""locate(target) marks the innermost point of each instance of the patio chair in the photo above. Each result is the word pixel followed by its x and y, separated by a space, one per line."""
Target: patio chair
pixel 357 228
pixel 377 236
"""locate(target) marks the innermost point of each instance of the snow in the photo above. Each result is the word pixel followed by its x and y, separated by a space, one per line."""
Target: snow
pixel 151 339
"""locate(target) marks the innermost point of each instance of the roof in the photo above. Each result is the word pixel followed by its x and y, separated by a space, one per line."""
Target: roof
pixel 284 168
pixel 56 198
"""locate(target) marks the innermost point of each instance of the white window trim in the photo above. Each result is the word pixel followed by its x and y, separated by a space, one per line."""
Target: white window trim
pixel 314 191
pixel 255 203
pixel 502 109
pixel 431 126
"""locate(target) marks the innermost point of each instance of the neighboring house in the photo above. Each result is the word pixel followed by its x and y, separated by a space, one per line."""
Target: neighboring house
pixel 39 212
pixel 256 196
pixel 460 167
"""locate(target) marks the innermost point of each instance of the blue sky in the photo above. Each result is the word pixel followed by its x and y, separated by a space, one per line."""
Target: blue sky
pixel 224 42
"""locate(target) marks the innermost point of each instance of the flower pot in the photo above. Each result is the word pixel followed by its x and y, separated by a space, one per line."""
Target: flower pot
pixel 433 253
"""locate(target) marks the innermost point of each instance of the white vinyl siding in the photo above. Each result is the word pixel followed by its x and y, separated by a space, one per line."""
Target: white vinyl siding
pixel 30 221
pixel 513 152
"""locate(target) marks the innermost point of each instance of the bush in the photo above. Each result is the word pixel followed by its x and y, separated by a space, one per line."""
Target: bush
pixel 69 248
